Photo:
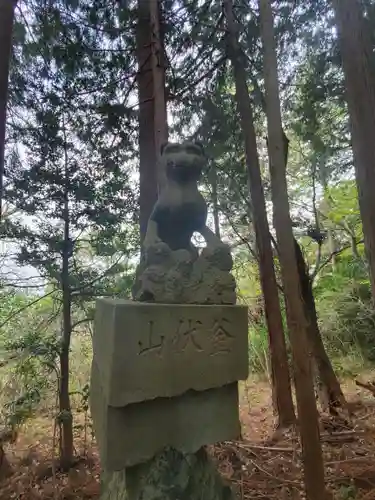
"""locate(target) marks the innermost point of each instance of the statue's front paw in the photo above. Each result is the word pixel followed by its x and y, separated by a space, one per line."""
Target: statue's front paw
pixel 219 256
pixel 157 253
pixel 149 242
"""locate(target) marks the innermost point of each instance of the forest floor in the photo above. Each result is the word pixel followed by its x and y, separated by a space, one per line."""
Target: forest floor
pixel 259 467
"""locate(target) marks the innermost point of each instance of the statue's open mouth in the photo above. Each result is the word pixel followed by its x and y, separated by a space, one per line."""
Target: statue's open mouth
pixel 183 166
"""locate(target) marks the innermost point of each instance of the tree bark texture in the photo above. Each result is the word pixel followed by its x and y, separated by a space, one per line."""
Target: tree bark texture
pixel 215 208
pixel 279 359
pixel 297 323
pixel 65 417
pixel 354 247
pixel 6 28
pixel 170 475
pixel 359 70
pixel 158 71
pixel 5 467
pixel 332 247
pixel 329 388
pixel 148 182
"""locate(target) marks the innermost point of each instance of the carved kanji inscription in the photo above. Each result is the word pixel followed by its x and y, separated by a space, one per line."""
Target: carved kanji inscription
pixel 154 342
pixel 222 339
pixel 146 351
pixel 187 335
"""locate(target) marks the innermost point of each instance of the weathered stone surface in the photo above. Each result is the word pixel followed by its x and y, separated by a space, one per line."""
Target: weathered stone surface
pixel 146 350
pixel 134 434
pixel 170 475
pixel 184 277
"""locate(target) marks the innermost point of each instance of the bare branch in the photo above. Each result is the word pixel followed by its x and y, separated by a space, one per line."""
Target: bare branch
pixel 330 257
pixel 21 309
pixel 81 321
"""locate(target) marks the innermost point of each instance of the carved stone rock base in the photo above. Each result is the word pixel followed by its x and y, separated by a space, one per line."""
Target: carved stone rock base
pixel 170 475
pixel 184 277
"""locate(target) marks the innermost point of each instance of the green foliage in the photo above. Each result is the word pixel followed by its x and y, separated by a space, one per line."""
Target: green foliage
pixel 348 492
pixel 28 356
pixel 74 209
pixel 343 208
pixel 345 310
pixel 258 350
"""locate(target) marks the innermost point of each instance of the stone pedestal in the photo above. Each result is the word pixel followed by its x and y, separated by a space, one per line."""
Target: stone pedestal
pixel 163 385
pixel 144 351
pixel 165 376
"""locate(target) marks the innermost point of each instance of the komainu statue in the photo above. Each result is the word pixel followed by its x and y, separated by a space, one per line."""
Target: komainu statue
pixel 171 269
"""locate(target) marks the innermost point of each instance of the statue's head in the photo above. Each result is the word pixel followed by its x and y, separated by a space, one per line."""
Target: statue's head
pixel 183 162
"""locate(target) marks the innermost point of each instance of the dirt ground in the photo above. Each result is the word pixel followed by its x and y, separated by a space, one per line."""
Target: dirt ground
pixel 262 466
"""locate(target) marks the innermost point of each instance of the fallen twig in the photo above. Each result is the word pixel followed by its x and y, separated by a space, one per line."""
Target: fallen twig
pixel 267 448
pixel 369 459
pixel 370 386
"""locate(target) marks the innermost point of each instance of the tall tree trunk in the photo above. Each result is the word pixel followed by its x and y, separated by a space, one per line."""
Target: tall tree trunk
pixel 330 393
pixel 215 210
pixel 306 404
pixel 279 359
pixel 354 247
pixel 158 71
pixel 332 247
pixel 6 29
pixel 148 182
pixel 65 417
pixel 329 389
pixel 359 70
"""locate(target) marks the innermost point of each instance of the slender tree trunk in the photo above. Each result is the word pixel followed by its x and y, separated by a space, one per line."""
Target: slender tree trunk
pixel 213 179
pixel 65 417
pixel 359 70
pixel 158 71
pixel 354 247
pixel 306 404
pixel 5 467
pixel 330 392
pixel 279 359
pixel 329 389
pixel 6 29
pixel 148 183
pixel 332 247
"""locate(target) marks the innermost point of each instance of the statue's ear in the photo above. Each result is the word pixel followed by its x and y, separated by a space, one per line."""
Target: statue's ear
pixel 200 146
pixel 162 147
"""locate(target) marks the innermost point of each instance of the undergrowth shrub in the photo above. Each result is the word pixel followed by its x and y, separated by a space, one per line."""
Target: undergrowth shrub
pixel 258 350
pixel 346 320
pixel 346 315
pixel 28 371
